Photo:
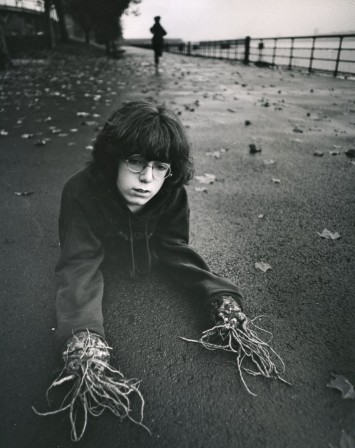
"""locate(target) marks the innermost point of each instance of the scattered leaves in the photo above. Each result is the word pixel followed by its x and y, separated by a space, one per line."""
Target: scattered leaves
pixel 262 266
pixel 329 235
pixel 3 133
pixel 206 178
pixel 342 384
pixel 23 193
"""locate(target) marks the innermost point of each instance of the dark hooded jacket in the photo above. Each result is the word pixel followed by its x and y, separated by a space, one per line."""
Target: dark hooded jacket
pixel 95 224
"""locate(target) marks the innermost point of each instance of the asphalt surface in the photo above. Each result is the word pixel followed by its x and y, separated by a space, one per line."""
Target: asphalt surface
pixel 194 397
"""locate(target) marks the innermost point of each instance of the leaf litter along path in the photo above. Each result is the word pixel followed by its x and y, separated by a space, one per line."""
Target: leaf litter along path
pixel 307 296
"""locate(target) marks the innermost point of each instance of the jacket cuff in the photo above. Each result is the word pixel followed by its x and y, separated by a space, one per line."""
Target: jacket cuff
pixel 213 301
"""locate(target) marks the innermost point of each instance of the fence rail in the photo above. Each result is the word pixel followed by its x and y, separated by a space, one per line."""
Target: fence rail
pixel 326 52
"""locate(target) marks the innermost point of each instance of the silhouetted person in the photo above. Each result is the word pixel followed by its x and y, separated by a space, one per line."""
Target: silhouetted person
pixel 158 39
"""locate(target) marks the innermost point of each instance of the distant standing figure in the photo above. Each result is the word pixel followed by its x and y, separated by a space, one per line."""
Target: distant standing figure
pixel 158 39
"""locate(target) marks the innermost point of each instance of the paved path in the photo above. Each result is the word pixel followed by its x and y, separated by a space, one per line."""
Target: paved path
pixel 194 397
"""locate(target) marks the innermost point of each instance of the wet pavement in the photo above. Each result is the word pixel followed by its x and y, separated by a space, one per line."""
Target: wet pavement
pixel 270 206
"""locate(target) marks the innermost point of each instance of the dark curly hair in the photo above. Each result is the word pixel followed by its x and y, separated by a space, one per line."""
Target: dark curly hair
pixel 144 127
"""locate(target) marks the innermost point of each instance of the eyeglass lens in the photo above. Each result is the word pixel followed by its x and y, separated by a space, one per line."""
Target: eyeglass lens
pixel 136 164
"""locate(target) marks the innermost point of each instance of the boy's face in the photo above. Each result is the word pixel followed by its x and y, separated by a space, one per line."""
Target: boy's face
pixel 137 188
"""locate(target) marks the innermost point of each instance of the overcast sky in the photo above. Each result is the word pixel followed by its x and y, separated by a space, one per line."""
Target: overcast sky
pixel 229 19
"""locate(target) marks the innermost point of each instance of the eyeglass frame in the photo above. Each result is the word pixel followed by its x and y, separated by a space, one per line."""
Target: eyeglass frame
pixel 145 166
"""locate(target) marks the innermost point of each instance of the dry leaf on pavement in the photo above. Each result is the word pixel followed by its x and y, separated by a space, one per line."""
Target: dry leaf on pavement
pixel 206 178
pixel 329 235
pixel 343 385
pixel 262 266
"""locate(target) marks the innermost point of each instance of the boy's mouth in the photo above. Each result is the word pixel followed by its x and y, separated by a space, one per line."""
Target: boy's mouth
pixel 141 191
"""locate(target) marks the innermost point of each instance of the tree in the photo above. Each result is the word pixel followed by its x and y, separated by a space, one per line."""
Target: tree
pixel 58 4
pixel 47 22
pixel 99 15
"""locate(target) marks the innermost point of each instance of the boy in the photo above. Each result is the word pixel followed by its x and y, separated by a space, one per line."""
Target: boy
pixel 130 201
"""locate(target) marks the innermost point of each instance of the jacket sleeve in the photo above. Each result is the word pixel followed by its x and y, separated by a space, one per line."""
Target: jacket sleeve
pixel 182 263
pixel 78 277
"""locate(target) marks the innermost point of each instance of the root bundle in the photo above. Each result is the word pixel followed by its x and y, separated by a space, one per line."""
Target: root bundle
pixel 242 339
pixel 96 385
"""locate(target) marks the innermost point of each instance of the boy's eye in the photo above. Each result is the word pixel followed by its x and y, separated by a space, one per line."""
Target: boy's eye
pixel 161 166
pixel 136 161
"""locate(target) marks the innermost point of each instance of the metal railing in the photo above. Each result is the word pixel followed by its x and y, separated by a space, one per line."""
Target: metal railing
pixel 326 52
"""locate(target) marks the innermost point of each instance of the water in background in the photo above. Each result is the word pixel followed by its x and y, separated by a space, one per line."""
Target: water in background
pixel 324 56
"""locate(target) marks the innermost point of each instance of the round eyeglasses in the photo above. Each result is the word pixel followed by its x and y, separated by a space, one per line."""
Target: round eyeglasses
pixel 137 163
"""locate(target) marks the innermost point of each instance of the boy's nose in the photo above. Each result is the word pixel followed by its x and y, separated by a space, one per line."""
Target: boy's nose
pixel 147 174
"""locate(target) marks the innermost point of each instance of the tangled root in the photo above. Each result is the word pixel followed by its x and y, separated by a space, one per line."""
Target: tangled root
pixel 96 385
pixel 242 339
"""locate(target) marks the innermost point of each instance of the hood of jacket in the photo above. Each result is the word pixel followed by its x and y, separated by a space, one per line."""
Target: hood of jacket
pixel 113 222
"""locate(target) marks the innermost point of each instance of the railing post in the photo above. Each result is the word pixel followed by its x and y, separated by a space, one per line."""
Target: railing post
pixel 338 56
pixel 246 50
pixel 291 53
pixel 274 51
pixel 188 48
pixel 260 48
pixel 312 55
pixel 235 49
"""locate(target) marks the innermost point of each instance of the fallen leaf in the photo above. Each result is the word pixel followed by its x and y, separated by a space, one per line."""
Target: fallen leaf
pixel 297 129
pixel 82 114
pixel 269 162
pixel 41 142
pixel 23 193
pixel 334 153
pixel 296 140
pixel 27 136
pixel 206 178
pixel 215 154
pixel 262 266
pixel 73 130
pixel 231 110
pixel 260 216
pixel 346 441
pixel 318 153
pixel 201 189
pixel 247 123
pixel 276 181
pixel 3 133
pixel 343 385
pixel 89 147
pixel 329 235
pixel 253 149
